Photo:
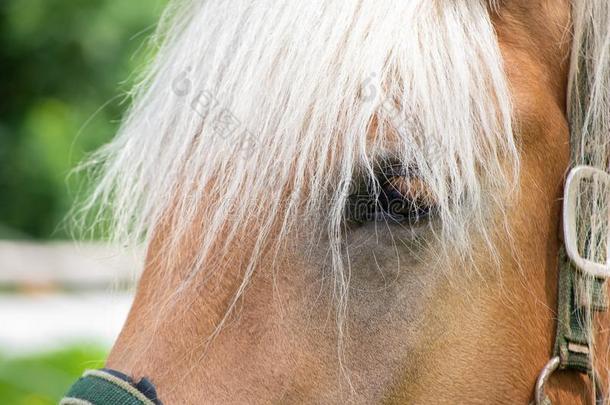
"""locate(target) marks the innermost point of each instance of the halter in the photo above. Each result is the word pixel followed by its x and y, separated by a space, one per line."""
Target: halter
pixel 110 387
pixel 572 349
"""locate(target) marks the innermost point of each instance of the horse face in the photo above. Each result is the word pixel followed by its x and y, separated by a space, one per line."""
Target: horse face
pixel 422 323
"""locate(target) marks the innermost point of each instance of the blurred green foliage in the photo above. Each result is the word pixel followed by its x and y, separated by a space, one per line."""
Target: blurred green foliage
pixel 65 66
pixel 43 379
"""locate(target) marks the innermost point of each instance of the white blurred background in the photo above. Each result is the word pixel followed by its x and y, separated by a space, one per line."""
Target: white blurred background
pixel 62 293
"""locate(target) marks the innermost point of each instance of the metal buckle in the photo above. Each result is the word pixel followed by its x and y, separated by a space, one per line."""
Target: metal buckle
pixel 540 397
pixel 571 192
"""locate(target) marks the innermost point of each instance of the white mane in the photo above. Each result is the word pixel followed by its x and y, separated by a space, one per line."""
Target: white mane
pixel 589 94
pixel 314 91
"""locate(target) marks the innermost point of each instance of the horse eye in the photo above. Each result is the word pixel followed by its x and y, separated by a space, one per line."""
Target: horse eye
pixel 397 198
pixel 404 199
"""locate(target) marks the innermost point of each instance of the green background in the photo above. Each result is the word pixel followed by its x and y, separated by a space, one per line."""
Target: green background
pixel 65 68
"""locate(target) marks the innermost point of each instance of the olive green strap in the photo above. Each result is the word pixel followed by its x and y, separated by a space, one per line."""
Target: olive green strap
pixel 572 341
pixel 98 387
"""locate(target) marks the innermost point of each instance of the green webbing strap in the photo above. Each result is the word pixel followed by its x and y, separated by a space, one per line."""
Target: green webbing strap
pixel 98 387
pixel 573 327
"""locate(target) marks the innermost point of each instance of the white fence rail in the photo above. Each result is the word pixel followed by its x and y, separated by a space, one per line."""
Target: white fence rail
pixel 66 265
pixel 56 294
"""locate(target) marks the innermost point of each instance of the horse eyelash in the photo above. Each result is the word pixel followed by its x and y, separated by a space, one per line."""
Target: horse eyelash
pixel 380 199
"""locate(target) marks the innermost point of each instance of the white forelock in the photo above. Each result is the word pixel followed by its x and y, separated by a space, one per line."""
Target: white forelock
pixel 313 93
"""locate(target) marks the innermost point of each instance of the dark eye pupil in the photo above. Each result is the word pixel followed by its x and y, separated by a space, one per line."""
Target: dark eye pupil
pixel 394 205
pixel 386 202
